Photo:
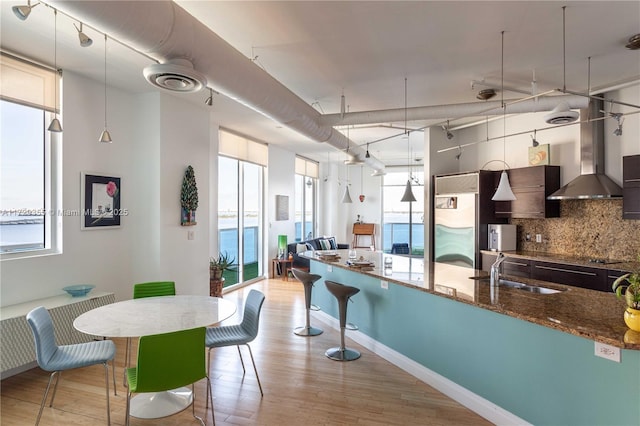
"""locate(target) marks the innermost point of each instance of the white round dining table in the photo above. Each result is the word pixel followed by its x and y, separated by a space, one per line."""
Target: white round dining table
pixel 155 315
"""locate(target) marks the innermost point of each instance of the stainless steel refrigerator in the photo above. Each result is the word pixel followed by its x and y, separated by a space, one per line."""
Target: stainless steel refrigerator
pixel 462 211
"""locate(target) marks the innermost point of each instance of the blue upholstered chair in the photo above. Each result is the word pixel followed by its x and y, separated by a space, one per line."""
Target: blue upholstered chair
pixel 239 334
pixel 54 358
pixel 169 361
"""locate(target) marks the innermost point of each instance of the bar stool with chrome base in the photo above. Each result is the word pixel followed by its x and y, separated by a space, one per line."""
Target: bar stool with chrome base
pixel 307 280
pixel 342 293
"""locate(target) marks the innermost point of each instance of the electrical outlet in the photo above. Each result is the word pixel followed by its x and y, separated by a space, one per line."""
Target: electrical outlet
pixel 607 352
pixel 527 237
pixel 384 284
pixel 538 238
pixel 329 268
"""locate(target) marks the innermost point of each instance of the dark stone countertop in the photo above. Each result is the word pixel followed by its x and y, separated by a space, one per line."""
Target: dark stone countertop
pixel 586 313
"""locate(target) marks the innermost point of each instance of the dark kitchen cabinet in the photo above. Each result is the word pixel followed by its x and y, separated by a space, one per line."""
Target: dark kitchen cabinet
pixel 612 276
pixel 579 276
pixel 531 186
pixel 631 187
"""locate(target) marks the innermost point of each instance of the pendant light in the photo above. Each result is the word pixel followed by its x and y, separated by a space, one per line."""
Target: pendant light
pixel 408 196
pixel 346 198
pixel 105 136
pixel 55 125
pixel 504 192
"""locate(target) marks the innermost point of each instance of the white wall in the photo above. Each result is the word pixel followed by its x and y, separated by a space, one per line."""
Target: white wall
pixel 281 173
pixel 155 137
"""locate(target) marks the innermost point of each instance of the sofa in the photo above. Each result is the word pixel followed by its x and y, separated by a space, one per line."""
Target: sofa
pixel 320 243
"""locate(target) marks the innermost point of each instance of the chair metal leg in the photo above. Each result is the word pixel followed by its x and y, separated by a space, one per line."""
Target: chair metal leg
pixel 113 373
pixel 126 418
pixel 55 387
pixel 244 371
pixel 193 405
pixel 106 379
pixel 44 397
pixel 213 417
pixel 127 354
pixel 209 391
pixel 254 368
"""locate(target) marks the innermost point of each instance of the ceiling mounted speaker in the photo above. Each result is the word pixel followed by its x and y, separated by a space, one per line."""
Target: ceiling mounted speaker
pixel 561 115
pixel 485 94
pixel 175 75
pixel 634 42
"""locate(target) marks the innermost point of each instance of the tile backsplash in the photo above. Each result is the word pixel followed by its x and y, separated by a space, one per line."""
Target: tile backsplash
pixel 585 228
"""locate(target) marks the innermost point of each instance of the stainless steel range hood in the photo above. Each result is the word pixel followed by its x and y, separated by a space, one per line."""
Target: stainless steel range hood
pixel 592 182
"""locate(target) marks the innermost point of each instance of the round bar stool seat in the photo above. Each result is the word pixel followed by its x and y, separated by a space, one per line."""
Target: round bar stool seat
pixel 307 280
pixel 342 293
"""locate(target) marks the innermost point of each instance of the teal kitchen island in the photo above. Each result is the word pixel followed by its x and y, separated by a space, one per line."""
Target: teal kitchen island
pixel 512 356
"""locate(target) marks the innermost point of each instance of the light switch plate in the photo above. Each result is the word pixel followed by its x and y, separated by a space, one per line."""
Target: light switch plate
pixel 329 268
pixel 607 352
pixel 384 284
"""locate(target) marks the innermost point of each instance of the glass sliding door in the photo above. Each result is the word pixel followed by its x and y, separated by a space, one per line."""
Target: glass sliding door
pixel 240 218
pixel 306 183
pixel 252 221
pixel 403 223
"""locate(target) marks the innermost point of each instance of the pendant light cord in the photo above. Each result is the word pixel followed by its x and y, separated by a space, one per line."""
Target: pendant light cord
pixel 105 81
pixel 55 55
pixel 504 107
pixel 405 129
pixel 564 57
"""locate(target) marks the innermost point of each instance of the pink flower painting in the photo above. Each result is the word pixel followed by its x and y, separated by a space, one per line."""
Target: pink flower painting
pixel 112 189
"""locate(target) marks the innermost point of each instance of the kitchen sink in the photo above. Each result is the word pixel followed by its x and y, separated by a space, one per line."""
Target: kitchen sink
pixel 529 288
pixel 520 286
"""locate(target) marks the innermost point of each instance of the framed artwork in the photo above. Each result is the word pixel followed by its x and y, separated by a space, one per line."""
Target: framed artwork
pixel 539 155
pixel 282 207
pixel 100 197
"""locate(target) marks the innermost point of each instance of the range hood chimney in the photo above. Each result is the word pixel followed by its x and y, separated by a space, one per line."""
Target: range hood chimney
pixel 592 182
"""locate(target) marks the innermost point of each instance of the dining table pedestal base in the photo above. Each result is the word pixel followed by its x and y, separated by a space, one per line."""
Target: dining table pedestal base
pixel 154 405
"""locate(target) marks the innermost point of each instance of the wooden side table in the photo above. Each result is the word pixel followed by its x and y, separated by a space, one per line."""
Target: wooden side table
pixel 283 265
pixel 364 229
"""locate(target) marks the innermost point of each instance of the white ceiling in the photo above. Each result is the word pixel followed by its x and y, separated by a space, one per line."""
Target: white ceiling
pixel 320 50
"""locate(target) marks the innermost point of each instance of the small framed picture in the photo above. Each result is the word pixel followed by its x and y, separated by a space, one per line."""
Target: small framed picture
pixel 100 197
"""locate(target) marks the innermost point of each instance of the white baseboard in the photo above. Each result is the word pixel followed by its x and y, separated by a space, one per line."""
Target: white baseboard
pixel 472 401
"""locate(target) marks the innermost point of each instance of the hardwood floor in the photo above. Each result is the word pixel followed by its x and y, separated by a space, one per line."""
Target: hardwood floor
pixel 301 386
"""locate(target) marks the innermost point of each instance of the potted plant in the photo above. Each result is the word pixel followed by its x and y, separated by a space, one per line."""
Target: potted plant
pixel 217 265
pixel 627 287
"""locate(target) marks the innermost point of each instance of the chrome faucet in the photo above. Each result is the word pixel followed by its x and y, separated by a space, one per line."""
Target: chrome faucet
pixel 495 269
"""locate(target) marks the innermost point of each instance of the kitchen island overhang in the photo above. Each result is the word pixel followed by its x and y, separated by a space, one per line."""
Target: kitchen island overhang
pixel 520 354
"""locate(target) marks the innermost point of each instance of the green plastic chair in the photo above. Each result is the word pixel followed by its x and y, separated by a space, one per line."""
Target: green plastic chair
pixel 169 361
pixel 154 288
pixel 149 289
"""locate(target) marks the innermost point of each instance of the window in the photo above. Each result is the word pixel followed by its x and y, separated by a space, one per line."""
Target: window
pixel 306 183
pixel 240 206
pixel 29 161
pixel 403 223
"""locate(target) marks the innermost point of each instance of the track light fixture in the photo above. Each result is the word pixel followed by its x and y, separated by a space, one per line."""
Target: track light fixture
pixel 486 94
pixel 209 100
pixel 447 131
pixel 367 155
pixel 55 125
pixel 534 141
pixel 634 42
pixel 22 12
pixel 85 40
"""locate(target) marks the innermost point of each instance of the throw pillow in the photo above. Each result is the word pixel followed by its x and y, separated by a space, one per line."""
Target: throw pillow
pixel 324 244
pixel 309 246
pixel 332 243
pixel 301 248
